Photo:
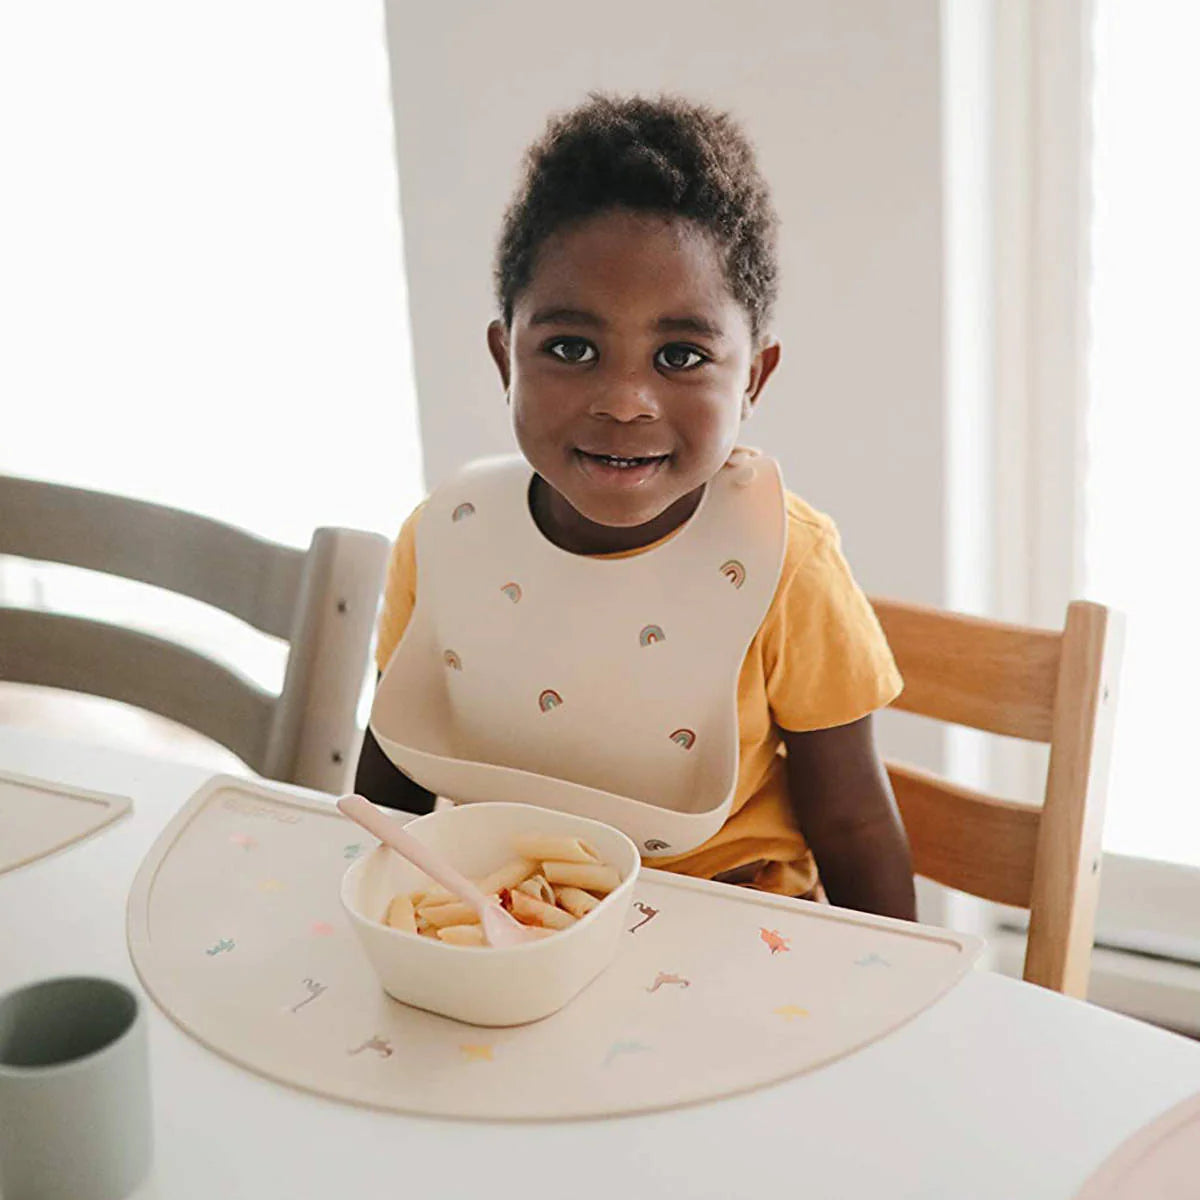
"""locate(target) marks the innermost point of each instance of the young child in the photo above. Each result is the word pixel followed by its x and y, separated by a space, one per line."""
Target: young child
pixel 635 276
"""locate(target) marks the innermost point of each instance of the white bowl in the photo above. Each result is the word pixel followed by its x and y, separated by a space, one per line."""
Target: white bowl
pixel 482 985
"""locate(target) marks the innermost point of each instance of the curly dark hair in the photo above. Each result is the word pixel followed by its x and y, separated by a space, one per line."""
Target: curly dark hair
pixel 667 156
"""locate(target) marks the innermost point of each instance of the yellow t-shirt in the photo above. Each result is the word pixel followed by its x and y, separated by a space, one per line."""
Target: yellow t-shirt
pixel 819 659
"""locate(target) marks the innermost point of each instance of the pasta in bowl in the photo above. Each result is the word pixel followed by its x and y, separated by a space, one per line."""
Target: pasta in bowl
pixel 569 876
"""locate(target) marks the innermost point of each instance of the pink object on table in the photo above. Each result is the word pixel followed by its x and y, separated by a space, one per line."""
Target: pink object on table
pixel 1161 1160
pixel 499 928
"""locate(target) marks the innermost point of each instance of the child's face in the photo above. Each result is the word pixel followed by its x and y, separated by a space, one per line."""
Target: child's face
pixel 630 367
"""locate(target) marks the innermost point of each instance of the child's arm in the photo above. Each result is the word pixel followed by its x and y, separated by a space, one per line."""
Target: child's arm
pixel 377 778
pixel 843 804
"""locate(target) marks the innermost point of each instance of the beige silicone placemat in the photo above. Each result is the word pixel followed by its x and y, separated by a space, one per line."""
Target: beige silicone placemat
pixel 236 929
pixel 38 817
pixel 1161 1160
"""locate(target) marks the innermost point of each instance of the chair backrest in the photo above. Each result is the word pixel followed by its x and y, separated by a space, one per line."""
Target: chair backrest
pixel 322 602
pixel 1057 688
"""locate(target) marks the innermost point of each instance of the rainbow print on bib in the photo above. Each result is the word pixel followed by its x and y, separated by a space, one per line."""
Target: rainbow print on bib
pixel 651 634
pixel 549 699
pixel 684 737
pixel 734 572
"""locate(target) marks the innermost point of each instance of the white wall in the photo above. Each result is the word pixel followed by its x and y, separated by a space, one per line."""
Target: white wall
pixel 844 103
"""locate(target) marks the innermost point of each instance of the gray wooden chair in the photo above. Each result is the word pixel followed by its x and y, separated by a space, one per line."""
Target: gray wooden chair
pixel 322 601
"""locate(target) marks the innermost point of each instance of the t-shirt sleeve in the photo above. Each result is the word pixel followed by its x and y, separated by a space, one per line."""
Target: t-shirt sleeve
pixel 399 591
pixel 826 659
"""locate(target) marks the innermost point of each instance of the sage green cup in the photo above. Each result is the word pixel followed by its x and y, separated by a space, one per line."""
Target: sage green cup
pixel 75 1119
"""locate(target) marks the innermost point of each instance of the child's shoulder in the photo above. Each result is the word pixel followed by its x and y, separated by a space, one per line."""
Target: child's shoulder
pixel 809 532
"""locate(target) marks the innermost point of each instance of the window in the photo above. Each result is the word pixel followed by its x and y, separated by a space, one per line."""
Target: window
pixel 203 293
pixel 1142 488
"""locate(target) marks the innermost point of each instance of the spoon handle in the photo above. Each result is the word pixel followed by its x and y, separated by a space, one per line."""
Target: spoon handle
pixel 364 813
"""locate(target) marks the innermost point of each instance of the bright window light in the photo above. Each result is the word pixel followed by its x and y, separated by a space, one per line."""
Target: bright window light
pixel 1143 485
pixel 202 294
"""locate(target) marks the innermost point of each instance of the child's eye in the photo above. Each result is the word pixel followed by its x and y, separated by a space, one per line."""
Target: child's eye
pixel 571 349
pixel 678 357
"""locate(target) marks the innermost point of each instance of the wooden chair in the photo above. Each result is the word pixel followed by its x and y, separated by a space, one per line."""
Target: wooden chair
pixel 322 601
pixel 1058 688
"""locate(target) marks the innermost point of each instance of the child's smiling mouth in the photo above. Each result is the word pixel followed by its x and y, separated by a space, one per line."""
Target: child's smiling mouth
pixel 619 469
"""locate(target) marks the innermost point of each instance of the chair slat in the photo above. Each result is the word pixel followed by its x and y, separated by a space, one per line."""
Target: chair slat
pixel 314 736
pixel 123 664
pixel 967 840
pixel 971 671
pixel 218 564
pixel 1067 877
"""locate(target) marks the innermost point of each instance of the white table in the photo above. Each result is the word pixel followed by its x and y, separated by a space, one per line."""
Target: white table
pixel 999 1090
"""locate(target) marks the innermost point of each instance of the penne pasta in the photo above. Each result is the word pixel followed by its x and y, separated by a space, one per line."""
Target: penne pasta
pixel 569 883
pixel 544 848
pixel 462 935
pixel 593 877
pixel 530 911
pixel 400 914
pixel 577 902
pixel 434 896
pixel 511 875
pixel 440 916
pixel 537 887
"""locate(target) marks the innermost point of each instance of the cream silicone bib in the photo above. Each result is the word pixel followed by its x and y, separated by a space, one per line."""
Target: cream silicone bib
pixel 602 687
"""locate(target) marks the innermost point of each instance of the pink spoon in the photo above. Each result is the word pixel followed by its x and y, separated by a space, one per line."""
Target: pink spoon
pixel 499 928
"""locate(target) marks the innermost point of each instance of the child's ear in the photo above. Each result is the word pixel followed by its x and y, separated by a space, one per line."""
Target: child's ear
pixel 497 340
pixel 762 367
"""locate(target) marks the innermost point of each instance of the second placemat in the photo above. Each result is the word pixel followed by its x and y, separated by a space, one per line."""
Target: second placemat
pixel 39 817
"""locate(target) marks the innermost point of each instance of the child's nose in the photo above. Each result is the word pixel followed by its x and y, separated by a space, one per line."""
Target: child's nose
pixel 629 397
